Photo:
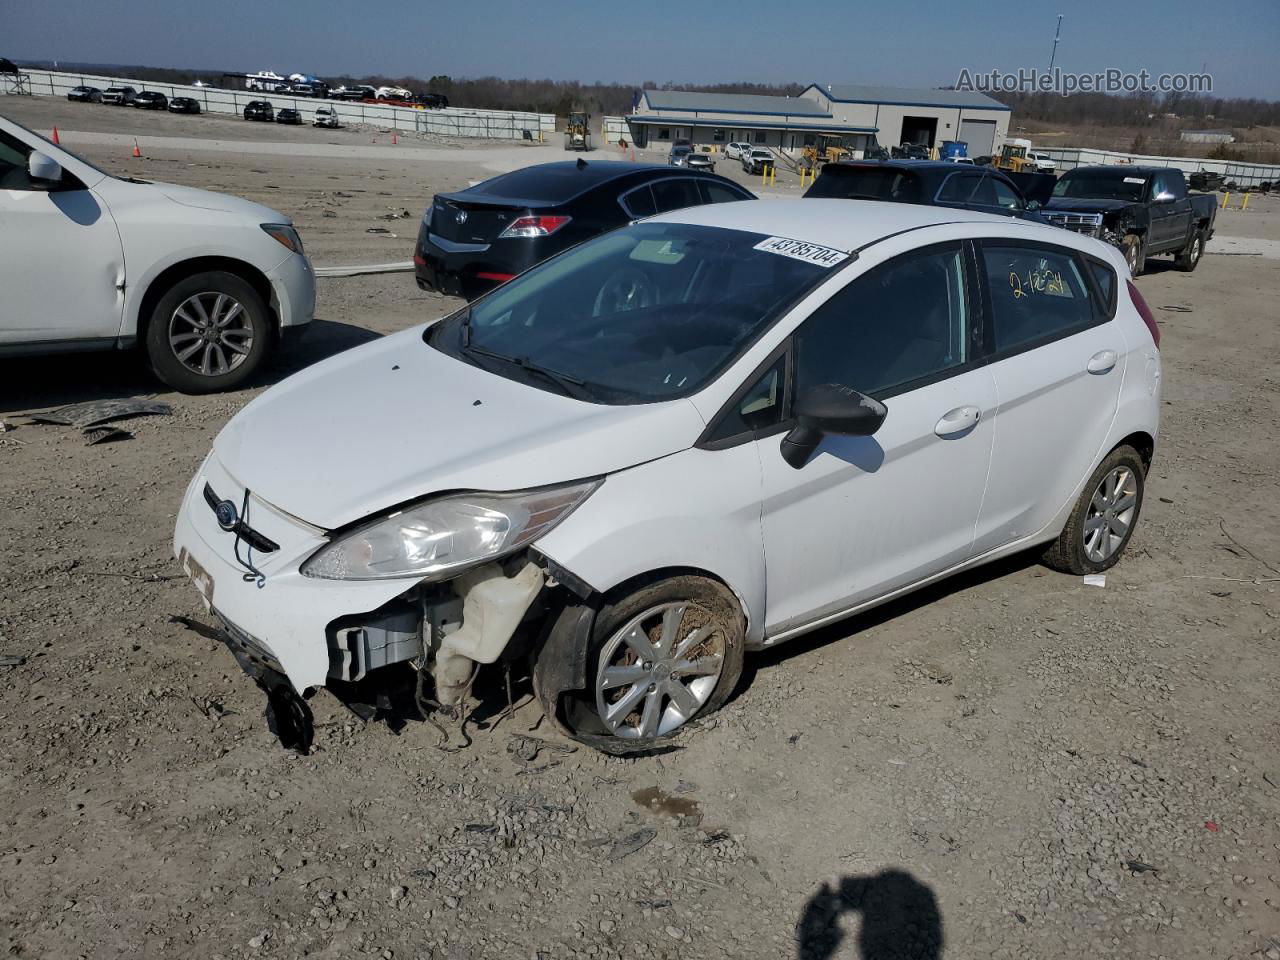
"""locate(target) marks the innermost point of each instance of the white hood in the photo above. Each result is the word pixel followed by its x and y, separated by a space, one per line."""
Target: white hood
pixel 208 200
pixel 396 420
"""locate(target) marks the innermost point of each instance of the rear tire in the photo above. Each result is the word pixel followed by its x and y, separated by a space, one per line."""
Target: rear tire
pixel 1189 258
pixel 209 332
pixel 667 618
pixel 1104 518
pixel 1135 253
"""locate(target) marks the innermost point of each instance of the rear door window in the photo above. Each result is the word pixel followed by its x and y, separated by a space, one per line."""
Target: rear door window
pixel 1036 294
pixel 639 202
pixel 714 192
pixel 675 193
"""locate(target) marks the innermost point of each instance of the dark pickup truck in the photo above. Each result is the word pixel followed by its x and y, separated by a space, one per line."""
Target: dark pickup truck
pixel 1143 211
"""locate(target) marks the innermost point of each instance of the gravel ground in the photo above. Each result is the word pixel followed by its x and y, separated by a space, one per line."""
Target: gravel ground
pixel 1008 765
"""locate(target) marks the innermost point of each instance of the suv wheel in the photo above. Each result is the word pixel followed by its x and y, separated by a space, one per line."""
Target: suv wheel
pixel 658 657
pixel 1102 522
pixel 209 332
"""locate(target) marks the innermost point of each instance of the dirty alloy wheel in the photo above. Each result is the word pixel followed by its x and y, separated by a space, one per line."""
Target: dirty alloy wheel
pixel 1188 259
pixel 1135 253
pixel 1104 517
pixel 660 656
pixel 209 332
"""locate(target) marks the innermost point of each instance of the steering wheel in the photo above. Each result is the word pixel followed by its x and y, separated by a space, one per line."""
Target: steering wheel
pixel 628 289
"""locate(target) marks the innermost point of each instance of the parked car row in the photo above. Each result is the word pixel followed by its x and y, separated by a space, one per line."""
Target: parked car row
pixel 129 97
pixel 265 111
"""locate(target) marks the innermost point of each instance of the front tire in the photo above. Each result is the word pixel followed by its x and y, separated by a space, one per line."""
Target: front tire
pixel 1135 253
pixel 1104 517
pixel 659 656
pixel 209 332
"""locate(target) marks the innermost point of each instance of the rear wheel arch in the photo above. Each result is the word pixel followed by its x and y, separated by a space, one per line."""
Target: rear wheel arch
pixel 1141 441
pixel 164 281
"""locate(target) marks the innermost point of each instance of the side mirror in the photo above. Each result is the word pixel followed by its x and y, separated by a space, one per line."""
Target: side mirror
pixel 829 408
pixel 1033 205
pixel 40 167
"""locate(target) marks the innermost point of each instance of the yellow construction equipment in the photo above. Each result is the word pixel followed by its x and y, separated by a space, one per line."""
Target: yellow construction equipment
pixel 1014 157
pixel 577 132
pixel 828 149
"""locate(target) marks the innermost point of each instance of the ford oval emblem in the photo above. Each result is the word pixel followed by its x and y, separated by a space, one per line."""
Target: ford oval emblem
pixel 225 514
pixel 461 217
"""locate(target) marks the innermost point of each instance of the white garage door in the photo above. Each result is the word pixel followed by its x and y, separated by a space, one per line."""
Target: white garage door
pixel 980 135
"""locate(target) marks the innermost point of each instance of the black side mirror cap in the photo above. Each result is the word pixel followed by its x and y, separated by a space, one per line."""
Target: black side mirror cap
pixel 1033 205
pixel 829 408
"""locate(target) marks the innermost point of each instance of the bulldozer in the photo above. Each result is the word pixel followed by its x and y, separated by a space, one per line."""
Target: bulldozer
pixel 577 132
pixel 1014 157
pixel 828 149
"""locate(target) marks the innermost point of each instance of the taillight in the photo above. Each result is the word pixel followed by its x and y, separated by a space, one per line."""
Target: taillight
pixel 1145 312
pixel 534 227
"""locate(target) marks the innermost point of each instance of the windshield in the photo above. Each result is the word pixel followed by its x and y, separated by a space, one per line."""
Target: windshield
pixel 650 312
pixel 1101 186
pixel 866 183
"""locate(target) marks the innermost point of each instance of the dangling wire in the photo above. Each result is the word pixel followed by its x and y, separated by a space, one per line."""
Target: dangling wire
pixel 254 575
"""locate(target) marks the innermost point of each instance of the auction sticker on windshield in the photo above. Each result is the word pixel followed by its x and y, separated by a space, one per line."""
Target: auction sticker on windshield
pixel 799 250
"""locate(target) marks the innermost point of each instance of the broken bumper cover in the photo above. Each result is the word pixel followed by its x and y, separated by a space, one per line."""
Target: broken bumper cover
pixel 281 620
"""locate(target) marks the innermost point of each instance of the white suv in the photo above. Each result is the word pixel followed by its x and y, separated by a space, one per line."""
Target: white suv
pixel 326 117
pixel 205 283
pixel 705 433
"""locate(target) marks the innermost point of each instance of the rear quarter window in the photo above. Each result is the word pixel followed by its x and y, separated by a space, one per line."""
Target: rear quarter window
pixel 1036 294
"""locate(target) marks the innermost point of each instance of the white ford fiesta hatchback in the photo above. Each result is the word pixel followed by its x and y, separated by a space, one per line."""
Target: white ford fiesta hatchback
pixel 702 434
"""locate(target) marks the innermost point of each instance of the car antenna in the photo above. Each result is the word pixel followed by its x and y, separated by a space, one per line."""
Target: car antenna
pixel 581 163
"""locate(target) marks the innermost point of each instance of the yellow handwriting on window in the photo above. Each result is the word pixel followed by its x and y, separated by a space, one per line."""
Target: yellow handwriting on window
pixel 1043 280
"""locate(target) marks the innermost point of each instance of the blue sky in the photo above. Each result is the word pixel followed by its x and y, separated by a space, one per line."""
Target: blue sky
pixel 925 43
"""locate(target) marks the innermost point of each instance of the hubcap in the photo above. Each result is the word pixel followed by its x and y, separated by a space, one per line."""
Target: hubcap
pixel 659 670
pixel 210 333
pixel 1110 516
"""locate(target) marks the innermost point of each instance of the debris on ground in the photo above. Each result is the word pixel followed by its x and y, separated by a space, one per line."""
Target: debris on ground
pixel 105 434
pixel 11 660
pixel 94 412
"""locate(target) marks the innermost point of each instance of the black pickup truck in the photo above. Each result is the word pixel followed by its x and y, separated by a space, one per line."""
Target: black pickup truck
pixel 1143 211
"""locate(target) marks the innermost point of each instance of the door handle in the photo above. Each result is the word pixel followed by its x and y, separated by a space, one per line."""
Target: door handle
pixel 958 421
pixel 1104 361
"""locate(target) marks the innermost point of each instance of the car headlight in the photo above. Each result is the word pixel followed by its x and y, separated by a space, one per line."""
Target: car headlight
pixel 284 234
pixel 438 538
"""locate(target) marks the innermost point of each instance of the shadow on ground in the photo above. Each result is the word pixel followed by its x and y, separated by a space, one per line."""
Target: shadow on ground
pixel 896 915
pixel 43 382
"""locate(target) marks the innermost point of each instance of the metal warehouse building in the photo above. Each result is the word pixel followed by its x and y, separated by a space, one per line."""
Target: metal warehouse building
pixel 862 115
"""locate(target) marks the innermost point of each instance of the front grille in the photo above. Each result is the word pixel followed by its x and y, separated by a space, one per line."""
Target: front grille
pixel 1086 223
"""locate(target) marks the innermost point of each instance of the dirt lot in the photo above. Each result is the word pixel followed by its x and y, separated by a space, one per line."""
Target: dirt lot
pixel 1011 765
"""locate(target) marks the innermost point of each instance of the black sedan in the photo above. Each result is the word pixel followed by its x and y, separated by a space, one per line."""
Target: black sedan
pixel 939 183
pixel 259 110
pixel 150 100
pixel 288 115
pixel 475 239
pixel 184 105
pixel 84 94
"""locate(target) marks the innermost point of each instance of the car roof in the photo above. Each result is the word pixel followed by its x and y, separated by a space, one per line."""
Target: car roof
pixel 852 224
pixel 1119 168
pixel 561 181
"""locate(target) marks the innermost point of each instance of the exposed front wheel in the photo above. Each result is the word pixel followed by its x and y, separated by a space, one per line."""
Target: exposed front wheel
pixel 1135 253
pixel 660 656
pixel 209 332
pixel 1104 517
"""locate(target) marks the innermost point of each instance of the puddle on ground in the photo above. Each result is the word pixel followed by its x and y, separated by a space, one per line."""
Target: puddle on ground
pixel 657 800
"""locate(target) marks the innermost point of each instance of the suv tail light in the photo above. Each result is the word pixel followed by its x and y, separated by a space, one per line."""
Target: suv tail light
pixel 533 227
pixel 1145 312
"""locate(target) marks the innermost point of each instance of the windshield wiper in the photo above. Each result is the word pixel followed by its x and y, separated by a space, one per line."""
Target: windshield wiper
pixel 569 386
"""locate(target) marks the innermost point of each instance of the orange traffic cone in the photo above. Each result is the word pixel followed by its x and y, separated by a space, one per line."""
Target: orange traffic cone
pixel 56 141
pixel 136 151
pixel 393 138
pixel 633 156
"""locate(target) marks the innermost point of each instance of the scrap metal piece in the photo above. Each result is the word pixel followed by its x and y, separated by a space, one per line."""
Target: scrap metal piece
pixel 94 412
pixel 105 434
